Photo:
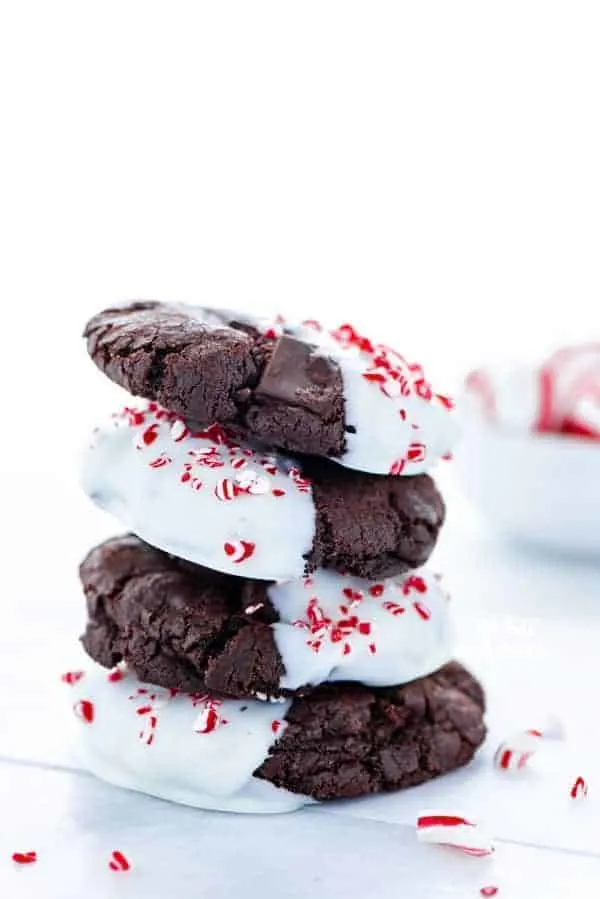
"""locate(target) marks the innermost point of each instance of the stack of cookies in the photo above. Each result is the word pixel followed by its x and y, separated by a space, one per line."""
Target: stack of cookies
pixel 270 634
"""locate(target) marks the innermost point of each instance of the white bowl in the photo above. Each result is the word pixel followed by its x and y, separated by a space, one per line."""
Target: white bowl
pixel 544 489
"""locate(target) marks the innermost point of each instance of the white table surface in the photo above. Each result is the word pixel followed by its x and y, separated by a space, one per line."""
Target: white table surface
pixel 528 625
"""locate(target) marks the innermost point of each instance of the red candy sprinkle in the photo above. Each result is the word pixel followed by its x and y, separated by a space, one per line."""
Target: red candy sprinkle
pixel 275 726
pixel 239 550
pixel 416 452
pixel 376 590
pixel 446 401
pixel 394 608
pixel 489 891
pixel 208 719
pixel 226 490
pixel 119 862
pixel 579 789
pixel 397 467
pixel 135 418
pixel 115 676
pixel 84 709
pixel 414 582
pixel 147 436
pixel 321 626
pixel 422 610
pixel 179 431
pixel 24 858
pixel 160 461
pixel 72 677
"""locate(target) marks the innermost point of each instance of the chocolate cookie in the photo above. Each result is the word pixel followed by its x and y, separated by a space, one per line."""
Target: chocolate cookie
pixel 184 627
pixel 347 740
pixel 208 497
pixel 326 393
pixel 341 741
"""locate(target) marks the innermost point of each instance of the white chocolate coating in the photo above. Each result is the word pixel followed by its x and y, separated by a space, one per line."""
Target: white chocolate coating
pixel 334 627
pixel 202 496
pixel 184 748
pixel 398 425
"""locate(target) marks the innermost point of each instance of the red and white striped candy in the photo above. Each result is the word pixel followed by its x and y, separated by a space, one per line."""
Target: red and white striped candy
pixel 119 862
pixel 573 372
pixel 84 709
pixel 226 490
pixel 514 753
pixel 450 829
pixel 179 431
pixel 146 437
pixel 269 463
pixel 579 789
pixel 117 674
pixel 24 858
pixel 72 677
pixel 416 452
pixel 584 419
pixel 394 608
pixel 148 731
pixel 422 610
pixel 398 466
pixel 161 461
pixel 208 719
pixel 239 550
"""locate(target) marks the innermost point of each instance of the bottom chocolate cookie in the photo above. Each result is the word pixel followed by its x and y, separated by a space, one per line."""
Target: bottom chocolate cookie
pixel 341 741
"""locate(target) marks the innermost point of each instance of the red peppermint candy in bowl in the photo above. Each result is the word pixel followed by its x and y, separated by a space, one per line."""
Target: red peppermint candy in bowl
pixel 530 453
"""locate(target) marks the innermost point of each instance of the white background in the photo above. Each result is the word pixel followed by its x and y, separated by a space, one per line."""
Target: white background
pixel 428 170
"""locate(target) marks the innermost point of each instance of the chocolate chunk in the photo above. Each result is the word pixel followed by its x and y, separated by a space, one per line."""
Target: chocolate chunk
pixel 296 374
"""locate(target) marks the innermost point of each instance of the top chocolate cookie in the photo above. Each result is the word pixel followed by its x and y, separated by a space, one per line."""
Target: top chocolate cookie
pixel 326 393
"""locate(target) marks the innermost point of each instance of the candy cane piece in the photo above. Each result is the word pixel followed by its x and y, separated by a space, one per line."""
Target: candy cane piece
pixel 579 789
pixel 239 550
pixel 450 829
pixel 119 862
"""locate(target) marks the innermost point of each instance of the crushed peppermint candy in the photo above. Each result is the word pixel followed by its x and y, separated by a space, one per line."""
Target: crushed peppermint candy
pixel 456 831
pixel 223 449
pixel 208 719
pixel 322 628
pixel 119 862
pixel 84 710
pixel 24 858
pixel 72 677
pixel 239 550
pixel 514 753
pixel 490 890
pixel 149 702
pixel 579 789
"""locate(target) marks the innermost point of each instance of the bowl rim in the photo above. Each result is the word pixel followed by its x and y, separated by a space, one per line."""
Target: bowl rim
pixel 561 442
